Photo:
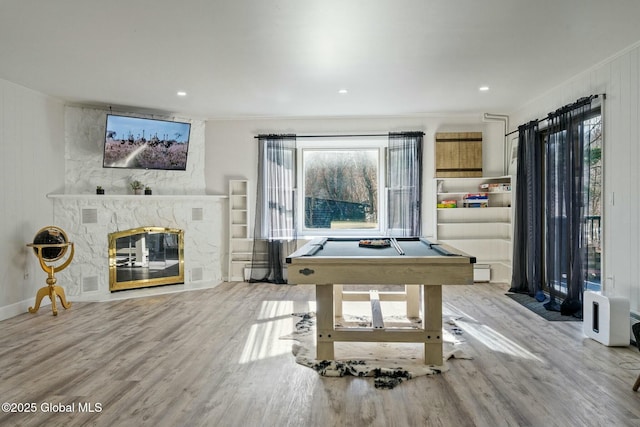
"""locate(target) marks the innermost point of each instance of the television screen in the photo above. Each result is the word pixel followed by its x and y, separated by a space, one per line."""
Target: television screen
pixel 137 143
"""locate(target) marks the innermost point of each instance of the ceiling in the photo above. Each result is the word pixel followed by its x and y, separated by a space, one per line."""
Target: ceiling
pixel 289 58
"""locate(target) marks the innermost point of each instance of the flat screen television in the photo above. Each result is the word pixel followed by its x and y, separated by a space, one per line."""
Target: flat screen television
pixel 138 143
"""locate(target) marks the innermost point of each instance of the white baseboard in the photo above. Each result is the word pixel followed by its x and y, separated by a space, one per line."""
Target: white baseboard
pixel 21 307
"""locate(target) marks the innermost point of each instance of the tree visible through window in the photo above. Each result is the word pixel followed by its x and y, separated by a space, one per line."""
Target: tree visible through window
pixel 593 201
pixel 341 188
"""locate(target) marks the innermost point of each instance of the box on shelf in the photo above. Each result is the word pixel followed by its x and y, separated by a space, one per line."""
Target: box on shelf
pixel 448 204
pixel 475 204
pixel 479 200
pixel 495 187
pixel 476 196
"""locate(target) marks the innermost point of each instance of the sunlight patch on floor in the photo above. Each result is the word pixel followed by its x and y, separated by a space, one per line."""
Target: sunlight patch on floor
pixel 495 340
pixel 486 335
pixel 273 321
pixel 274 309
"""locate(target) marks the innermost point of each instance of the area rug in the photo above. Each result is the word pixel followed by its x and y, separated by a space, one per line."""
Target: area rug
pixel 389 364
pixel 538 307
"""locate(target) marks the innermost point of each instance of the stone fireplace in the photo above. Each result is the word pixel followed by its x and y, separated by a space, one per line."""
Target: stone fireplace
pixel 89 220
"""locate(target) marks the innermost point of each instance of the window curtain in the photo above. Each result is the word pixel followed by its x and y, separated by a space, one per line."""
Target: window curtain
pixel 275 231
pixel 566 184
pixel 404 184
pixel 527 272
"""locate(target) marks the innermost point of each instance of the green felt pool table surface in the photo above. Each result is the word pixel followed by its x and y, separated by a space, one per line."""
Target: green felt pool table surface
pixel 350 247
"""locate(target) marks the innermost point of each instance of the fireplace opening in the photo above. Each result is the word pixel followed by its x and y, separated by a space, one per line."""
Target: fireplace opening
pixel 144 257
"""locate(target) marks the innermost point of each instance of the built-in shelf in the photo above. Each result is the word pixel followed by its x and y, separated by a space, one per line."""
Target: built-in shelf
pixel 484 232
pixel 240 245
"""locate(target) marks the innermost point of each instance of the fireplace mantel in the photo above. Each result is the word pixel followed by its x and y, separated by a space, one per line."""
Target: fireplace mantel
pixel 136 196
pixel 89 218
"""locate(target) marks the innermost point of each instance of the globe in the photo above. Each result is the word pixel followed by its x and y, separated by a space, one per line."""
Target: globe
pixel 51 235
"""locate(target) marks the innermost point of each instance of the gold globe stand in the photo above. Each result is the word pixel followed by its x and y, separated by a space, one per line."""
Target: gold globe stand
pixel 52 290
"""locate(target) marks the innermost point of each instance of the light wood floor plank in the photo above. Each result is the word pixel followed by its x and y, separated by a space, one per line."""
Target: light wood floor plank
pixel 214 357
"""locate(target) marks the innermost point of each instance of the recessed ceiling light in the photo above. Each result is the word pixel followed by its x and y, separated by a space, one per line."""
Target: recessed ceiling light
pixel 483 88
pixel 181 93
pixel 343 91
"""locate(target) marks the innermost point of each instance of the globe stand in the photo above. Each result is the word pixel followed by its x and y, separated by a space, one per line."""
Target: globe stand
pixel 44 253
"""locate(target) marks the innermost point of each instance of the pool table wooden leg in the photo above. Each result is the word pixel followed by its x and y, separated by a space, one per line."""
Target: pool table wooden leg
pixel 337 300
pixel 412 293
pixel 325 322
pixel 432 320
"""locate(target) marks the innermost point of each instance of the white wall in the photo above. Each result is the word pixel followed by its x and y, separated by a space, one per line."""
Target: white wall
pixel 231 150
pixel 32 165
pixel 619 78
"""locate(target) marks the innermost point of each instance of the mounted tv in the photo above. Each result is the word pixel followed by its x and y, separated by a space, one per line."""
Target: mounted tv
pixel 137 143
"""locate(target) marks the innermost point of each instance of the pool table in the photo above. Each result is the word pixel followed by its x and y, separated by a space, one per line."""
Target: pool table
pixel 415 262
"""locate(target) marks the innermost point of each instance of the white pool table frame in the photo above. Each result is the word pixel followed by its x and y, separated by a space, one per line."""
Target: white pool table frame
pixel 428 272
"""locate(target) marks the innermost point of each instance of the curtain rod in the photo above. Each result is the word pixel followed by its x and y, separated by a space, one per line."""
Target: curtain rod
pixel 575 104
pixel 341 136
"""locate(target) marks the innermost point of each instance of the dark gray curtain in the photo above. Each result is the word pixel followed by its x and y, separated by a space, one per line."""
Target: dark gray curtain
pixel 527 240
pixel 404 174
pixel 549 218
pixel 275 231
pixel 566 184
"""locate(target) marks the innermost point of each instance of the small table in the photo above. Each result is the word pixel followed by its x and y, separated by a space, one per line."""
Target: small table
pixel 416 261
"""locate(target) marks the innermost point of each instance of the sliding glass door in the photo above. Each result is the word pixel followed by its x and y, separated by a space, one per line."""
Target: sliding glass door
pixel 560 188
pixel 593 202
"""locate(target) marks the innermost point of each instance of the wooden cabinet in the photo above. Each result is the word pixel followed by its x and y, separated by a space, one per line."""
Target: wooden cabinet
pixel 240 245
pixel 458 154
pixel 483 230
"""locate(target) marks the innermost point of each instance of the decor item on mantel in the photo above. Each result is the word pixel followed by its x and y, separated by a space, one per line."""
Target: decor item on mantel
pixel 136 186
pixel 147 190
pixel 99 190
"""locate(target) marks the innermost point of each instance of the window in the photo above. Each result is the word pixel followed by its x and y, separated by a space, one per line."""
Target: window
pixel 341 187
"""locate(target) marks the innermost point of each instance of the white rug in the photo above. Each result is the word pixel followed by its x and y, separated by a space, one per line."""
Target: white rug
pixel 388 363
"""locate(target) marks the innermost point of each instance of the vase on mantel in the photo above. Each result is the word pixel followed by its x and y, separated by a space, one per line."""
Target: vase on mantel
pixel 137 187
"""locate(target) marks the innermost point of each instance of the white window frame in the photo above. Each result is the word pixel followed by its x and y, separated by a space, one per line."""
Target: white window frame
pixel 350 143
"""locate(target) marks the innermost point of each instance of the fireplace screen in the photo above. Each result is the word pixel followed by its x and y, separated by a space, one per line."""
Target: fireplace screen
pixel 145 256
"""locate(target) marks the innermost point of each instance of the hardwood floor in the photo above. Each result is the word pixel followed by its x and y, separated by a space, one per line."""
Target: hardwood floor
pixel 214 358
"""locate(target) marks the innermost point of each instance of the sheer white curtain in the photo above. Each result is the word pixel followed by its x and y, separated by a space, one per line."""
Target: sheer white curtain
pixel 275 231
pixel 404 184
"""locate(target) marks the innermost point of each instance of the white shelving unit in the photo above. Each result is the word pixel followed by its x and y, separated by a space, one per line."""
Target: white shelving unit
pixel 484 232
pixel 240 245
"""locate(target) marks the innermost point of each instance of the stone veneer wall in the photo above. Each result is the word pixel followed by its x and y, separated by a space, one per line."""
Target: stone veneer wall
pixel 88 220
pixel 84 145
